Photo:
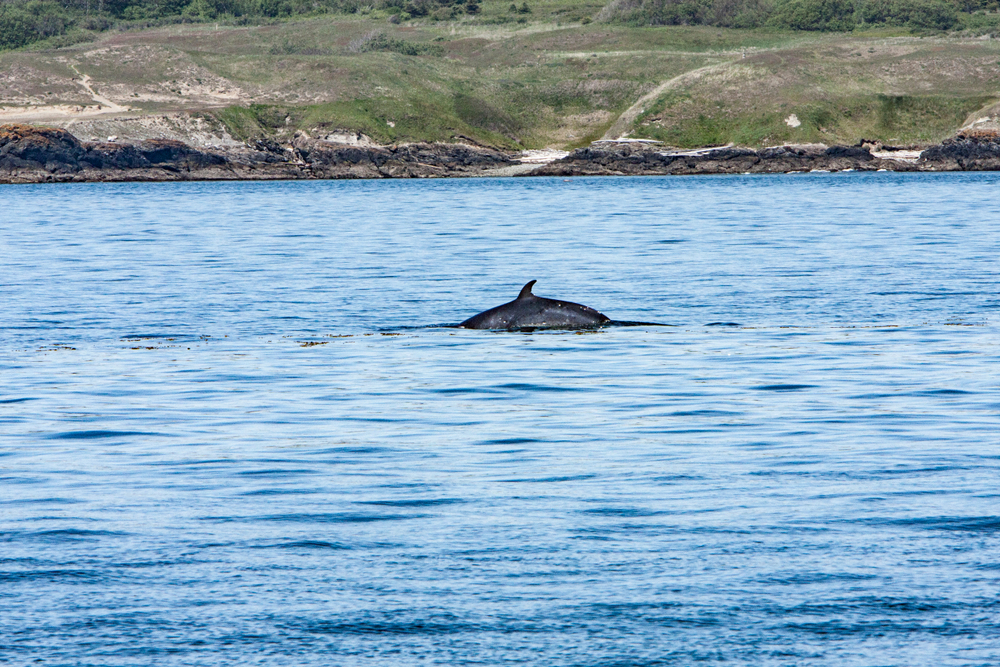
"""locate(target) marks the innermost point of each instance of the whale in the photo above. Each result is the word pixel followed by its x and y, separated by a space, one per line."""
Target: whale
pixel 528 311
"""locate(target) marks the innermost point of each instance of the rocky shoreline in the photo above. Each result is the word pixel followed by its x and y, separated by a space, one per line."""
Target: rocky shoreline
pixel 965 152
pixel 30 154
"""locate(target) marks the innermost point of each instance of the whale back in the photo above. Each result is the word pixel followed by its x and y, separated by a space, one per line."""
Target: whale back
pixel 528 311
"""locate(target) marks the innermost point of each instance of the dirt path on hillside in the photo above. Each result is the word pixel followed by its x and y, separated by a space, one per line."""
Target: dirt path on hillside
pixel 624 122
pixel 97 97
pixel 62 112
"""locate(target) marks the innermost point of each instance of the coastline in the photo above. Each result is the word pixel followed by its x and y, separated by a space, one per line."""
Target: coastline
pixel 34 154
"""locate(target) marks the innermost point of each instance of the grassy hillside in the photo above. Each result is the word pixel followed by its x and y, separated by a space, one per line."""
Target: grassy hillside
pixel 509 78
pixel 898 91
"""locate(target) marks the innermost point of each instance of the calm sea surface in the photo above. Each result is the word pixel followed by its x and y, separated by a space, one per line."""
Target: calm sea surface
pixel 236 430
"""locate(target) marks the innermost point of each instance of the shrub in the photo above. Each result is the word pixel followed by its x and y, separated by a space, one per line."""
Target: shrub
pixel 377 41
pixel 740 13
pixel 838 15
pixel 16 29
pixel 928 14
pixel 921 14
pixel 24 23
pixel 814 15
pixel 723 13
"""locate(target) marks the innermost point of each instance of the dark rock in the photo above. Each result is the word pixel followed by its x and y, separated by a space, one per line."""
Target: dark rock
pixel 329 160
pixel 168 152
pixel 51 149
pixel 114 156
pixel 638 159
pixel 973 151
pixel 850 152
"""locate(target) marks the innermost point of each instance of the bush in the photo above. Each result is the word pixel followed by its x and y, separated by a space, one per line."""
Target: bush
pixel 980 22
pixel 22 24
pixel 833 15
pixel 16 29
pixel 928 14
pixel 377 41
pixel 920 14
pixel 814 15
pixel 740 13
pixel 419 7
pixel 722 13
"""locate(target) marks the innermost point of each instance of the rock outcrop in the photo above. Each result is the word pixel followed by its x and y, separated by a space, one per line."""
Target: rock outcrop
pixel 30 154
pixel 644 159
pixel 28 147
pixel 969 151
pixel 323 159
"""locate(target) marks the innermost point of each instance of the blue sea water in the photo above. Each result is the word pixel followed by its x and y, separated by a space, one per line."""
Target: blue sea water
pixel 234 430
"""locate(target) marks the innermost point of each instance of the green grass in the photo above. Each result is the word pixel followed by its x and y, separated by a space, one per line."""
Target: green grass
pixel 383 120
pixel 892 119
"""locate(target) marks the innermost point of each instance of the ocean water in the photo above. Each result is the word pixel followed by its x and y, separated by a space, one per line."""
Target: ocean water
pixel 235 427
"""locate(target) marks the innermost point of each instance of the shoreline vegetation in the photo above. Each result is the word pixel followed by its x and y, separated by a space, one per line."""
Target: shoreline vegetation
pixel 30 154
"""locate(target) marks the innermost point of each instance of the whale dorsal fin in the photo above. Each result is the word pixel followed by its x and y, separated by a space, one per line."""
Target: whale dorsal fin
pixel 526 290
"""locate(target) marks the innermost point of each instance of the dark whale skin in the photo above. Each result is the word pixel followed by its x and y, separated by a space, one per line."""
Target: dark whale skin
pixel 528 311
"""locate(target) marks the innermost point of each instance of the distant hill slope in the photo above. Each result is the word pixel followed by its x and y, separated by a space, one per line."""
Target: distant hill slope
pixel 550 76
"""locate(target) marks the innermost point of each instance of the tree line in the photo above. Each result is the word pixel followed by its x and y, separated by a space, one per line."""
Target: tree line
pixel 825 15
pixel 23 22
